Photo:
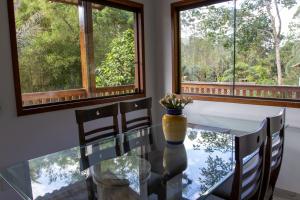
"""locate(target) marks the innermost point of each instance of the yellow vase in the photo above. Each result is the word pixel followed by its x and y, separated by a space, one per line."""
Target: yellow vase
pixel 174 127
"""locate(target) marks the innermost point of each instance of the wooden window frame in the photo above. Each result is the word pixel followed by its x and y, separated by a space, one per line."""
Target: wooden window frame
pixel 140 83
pixel 176 76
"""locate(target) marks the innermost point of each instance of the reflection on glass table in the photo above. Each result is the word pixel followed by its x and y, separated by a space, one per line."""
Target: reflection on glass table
pixel 192 170
pixel 123 177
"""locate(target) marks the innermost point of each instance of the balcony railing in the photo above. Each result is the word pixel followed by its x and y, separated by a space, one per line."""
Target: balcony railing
pixel 37 98
pixel 241 89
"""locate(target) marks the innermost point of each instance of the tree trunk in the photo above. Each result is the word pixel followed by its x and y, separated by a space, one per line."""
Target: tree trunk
pixel 276 37
pixel 278 62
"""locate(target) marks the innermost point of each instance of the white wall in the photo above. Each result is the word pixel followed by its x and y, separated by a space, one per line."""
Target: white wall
pixel 290 175
pixel 26 137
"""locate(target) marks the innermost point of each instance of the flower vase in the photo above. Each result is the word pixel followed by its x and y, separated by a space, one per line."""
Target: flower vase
pixel 174 126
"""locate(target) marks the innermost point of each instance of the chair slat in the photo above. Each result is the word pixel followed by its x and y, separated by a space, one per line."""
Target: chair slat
pixel 277 146
pixel 276 164
pixel 141 125
pixel 128 107
pixel 138 120
pixel 252 170
pixel 99 130
pixel 254 180
pixel 100 137
pixel 277 155
pixel 251 193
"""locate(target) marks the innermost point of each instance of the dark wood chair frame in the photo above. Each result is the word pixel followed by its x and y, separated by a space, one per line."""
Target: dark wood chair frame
pixel 127 107
pixel 83 116
pixel 245 146
pixel 276 125
pixel 248 146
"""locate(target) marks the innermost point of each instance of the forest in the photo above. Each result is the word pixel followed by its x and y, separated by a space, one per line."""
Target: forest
pixel 252 41
pixel 48 40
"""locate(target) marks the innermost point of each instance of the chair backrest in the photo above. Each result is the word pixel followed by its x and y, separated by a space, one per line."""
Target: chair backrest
pixel 249 157
pixel 104 149
pixel 139 122
pixel 274 151
pixel 84 116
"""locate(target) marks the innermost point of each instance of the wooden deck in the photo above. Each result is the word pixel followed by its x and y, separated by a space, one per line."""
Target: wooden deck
pixel 74 94
pixel 241 89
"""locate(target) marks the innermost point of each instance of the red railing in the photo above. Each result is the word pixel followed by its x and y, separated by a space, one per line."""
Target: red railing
pixel 242 89
pixel 74 94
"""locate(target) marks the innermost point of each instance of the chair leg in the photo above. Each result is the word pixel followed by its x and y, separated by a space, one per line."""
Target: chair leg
pixel 162 193
pixel 271 196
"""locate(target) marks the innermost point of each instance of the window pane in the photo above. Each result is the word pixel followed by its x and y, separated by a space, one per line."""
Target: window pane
pixel 48 47
pixel 268 56
pixel 64 59
pixel 114 45
pixel 207 49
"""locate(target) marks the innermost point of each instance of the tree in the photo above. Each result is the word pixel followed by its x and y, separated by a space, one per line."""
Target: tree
pixel 108 24
pixel 118 66
pixel 277 28
pixel 48 46
pixel 259 41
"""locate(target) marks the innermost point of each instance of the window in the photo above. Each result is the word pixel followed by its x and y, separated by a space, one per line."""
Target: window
pixel 70 53
pixel 244 51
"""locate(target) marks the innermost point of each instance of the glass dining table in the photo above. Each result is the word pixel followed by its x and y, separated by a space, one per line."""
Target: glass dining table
pixel 138 164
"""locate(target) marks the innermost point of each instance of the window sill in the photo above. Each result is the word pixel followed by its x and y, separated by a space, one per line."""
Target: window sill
pixel 246 100
pixel 28 110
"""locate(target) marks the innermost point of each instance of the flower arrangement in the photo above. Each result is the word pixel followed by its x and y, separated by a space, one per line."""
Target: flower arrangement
pixel 173 102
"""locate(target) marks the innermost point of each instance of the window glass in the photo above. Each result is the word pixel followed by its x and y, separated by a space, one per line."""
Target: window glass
pixel 207 49
pixel 245 48
pixel 69 51
pixel 114 46
pixel 48 46
pixel 268 57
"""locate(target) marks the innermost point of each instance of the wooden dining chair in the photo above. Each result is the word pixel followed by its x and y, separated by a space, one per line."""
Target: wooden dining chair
pixel 274 153
pixel 138 122
pixel 84 116
pixel 246 183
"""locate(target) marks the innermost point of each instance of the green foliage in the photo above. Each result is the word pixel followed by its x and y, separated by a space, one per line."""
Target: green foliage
pixel 204 60
pixel 118 66
pixel 244 73
pixel 207 44
pixel 108 24
pixel 49 46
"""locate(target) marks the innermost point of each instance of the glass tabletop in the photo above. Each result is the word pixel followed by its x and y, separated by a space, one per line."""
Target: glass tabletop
pixel 140 158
